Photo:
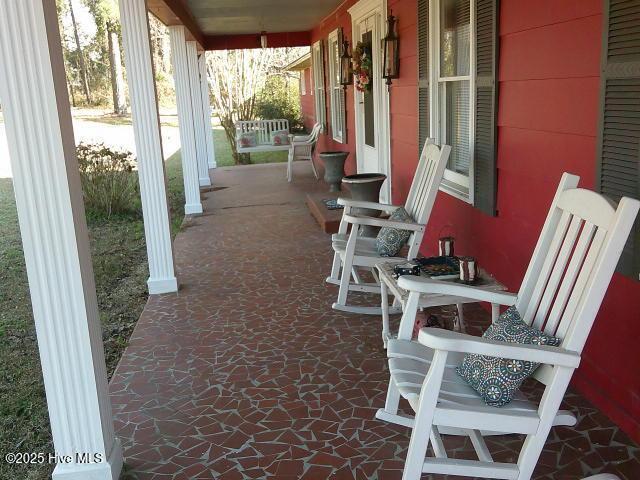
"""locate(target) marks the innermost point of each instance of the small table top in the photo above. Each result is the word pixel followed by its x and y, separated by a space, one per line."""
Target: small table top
pixel 485 281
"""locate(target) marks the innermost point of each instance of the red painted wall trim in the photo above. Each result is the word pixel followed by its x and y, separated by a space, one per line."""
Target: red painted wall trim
pixel 252 40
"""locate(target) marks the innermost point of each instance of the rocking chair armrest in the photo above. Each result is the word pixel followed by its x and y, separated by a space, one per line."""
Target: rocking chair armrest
pixel 428 285
pixel 439 339
pixel 382 222
pixel 347 202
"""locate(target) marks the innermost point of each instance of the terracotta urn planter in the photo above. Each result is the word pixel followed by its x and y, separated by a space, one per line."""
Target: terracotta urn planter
pixel 333 168
pixel 366 186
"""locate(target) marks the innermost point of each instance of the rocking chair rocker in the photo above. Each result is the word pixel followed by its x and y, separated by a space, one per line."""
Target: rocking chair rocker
pixel 570 270
pixel 353 251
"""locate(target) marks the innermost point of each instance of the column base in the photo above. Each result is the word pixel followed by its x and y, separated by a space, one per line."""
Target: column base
pixel 157 286
pixel 108 470
pixel 192 208
pixel 205 181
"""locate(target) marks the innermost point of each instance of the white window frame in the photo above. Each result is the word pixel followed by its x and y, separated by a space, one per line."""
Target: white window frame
pixel 317 59
pixel 453 183
pixel 336 91
pixel 303 82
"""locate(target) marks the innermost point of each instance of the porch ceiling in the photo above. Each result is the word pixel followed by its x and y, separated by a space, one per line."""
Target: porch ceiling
pixel 225 17
pixel 220 24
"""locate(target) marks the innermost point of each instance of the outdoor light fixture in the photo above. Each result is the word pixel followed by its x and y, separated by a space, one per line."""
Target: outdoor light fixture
pixel 263 39
pixel 346 67
pixel 391 63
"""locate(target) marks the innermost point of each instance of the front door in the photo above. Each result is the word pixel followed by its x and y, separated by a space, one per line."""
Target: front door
pixel 372 104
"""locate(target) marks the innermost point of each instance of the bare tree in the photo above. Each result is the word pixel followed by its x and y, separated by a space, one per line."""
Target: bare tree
pixel 115 63
pixel 236 76
pixel 82 67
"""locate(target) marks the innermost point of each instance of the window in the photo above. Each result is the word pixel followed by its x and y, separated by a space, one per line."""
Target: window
pixel 303 82
pixel 317 59
pixel 618 154
pixel 452 112
pixel 336 91
pixel 458 93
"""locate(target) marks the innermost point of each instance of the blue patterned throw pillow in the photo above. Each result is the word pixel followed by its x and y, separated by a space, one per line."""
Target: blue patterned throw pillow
pixel 390 240
pixel 496 379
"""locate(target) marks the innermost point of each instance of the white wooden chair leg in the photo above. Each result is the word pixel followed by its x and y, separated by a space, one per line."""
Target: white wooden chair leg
pixel 495 312
pixel 335 267
pixel 436 443
pixel 461 326
pixel 549 404
pixel 356 276
pixel 346 267
pixel 313 167
pixel 408 320
pixel 289 167
pixel 384 293
pixel 392 402
pixel 424 418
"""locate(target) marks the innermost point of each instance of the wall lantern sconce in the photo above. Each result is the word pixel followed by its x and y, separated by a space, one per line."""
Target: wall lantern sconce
pixel 346 67
pixel 263 39
pixel 391 63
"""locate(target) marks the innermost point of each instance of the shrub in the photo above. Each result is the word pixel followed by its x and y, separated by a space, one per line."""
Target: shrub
pixel 280 98
pixel 108 181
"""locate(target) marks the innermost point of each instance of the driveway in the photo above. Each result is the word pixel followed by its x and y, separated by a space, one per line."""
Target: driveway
pixel 94 130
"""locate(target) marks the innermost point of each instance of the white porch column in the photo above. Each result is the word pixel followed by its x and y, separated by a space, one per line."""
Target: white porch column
pixel 146 127
pixel 198 114
pixel 206 111
pixel 48 194
pixel 185 120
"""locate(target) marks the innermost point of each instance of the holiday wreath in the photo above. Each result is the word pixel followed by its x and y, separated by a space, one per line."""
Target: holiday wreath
pixel 362 66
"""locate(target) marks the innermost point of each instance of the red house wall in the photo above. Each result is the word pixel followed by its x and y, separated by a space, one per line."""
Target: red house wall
pixel 549 74
pixel 403 108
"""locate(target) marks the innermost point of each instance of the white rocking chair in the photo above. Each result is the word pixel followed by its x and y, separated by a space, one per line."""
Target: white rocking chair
pixel 353 250
pixel 568 275
pixel 302 148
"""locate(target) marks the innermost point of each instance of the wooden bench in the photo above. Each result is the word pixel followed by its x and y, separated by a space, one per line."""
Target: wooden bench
pixel 263 130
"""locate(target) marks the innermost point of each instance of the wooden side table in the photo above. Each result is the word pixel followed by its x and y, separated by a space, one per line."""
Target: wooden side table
pixel 389 285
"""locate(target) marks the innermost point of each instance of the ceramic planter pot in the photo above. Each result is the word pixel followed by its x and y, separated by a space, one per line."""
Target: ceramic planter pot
pixel 366 186
pixel 333 168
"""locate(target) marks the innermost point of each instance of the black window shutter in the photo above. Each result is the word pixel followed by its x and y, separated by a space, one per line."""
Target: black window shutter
pixel 618 154
pixel 486 132
pixel 423 73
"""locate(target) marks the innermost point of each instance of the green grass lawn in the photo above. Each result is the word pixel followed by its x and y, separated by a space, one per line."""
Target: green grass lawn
pixel 120 267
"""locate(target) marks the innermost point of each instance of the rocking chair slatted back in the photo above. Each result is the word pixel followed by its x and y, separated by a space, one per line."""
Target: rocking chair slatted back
pixel 573 262
pixel 426 181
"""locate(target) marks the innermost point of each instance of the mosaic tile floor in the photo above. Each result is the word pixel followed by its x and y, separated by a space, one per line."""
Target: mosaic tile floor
pixel 247 373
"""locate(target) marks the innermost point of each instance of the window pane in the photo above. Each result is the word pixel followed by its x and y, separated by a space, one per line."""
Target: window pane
pixel 455 37
pixel 454 124
pixel 336 58
pixel 369 111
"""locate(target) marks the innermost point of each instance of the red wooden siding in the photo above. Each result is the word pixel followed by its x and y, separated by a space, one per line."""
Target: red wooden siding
pixel 403 107
pixel 547 123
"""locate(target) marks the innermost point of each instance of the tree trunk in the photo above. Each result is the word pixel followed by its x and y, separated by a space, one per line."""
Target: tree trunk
pixel 117 80
pixel 81 65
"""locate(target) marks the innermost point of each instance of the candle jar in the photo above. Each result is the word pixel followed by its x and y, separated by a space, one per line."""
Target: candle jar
pixel 468 269
pixel 445 246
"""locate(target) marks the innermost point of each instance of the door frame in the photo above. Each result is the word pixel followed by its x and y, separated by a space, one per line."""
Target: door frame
pixel 358 12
